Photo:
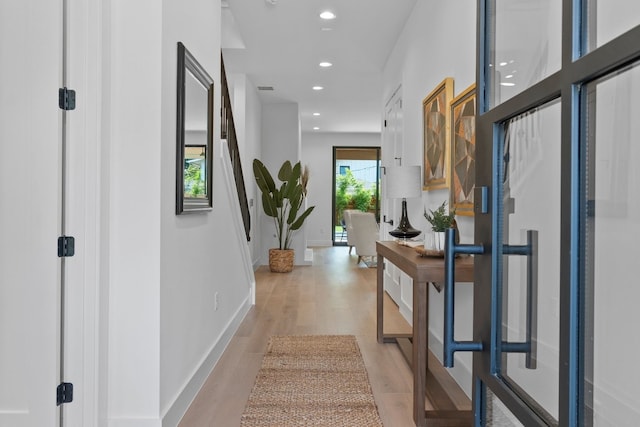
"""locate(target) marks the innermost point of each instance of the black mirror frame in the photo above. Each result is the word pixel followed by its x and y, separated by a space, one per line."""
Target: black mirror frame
pixel 186 62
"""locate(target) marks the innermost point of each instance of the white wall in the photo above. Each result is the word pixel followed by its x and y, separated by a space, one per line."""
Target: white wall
pixel 437 42
pixel 317 154
pixel 201 254
pixel 164 272
pixel 134 212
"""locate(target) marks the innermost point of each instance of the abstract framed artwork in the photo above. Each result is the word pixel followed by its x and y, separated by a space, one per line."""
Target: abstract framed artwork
pixel 436 118
pixel 463 151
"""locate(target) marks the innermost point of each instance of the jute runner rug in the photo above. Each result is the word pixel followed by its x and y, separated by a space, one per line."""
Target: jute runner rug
pixel 314 380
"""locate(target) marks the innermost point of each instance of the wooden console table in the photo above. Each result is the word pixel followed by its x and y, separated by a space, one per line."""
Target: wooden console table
pixel 430 379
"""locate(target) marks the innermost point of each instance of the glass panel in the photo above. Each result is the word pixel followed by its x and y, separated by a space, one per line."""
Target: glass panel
pixel 525 45
pixel 612 234
pixel 609 19
pixel 532 202
pixel 498 415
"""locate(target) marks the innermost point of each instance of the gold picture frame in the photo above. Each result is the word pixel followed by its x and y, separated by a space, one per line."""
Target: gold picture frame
pixel 436 123
pixel 463 151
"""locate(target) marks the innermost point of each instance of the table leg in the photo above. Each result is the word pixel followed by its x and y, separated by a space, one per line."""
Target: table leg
pixel 420 333
pixel 380 299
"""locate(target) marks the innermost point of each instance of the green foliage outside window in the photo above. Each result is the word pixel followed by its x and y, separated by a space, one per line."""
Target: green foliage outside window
pixel 193 184
pixel 351 192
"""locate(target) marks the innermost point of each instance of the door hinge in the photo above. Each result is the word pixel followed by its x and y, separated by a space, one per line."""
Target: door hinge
pixel 66 99
pixel 64 393
pixel 66 246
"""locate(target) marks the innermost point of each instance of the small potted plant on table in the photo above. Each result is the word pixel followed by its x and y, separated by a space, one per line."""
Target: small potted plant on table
pixel 440 220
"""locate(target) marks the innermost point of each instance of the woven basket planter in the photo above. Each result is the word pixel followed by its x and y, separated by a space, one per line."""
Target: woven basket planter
pixel 281 260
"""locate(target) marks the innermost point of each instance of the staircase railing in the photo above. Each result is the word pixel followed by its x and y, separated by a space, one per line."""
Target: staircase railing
pixel 228 132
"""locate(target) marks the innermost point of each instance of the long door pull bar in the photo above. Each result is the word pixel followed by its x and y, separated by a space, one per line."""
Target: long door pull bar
pixel 450 251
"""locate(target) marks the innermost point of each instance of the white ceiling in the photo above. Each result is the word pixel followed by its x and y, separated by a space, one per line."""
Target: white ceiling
pixel 280 43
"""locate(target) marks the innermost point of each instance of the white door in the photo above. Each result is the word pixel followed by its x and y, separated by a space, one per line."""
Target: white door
pixel 391 156
pixel 30 50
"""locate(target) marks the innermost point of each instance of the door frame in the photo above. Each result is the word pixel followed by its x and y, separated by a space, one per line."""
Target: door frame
pixel 87 293
pixel 333 188
pixel 577 69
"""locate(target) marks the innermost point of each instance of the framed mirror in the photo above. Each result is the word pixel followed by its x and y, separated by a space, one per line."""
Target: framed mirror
pixel 194 135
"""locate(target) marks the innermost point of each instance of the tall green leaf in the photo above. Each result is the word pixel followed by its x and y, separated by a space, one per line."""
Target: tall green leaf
pixel 263 177
pixel 298 223
pixel 285 171
pixel 269 205
pixel 295 200
pixel 292 180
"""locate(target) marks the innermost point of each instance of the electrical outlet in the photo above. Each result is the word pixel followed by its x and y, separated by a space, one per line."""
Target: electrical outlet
pixel 216 301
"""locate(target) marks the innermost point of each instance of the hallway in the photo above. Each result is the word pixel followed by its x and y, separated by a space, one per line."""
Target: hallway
pixel 333 296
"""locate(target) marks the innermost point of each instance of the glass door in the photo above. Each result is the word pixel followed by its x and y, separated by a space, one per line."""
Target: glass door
pixel 612 230
pixel 556 216
pixel 356 186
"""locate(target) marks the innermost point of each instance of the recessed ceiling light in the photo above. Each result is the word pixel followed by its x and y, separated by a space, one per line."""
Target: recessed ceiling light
pixel 316 128
pixel 316 114
pixel 328 15
pixel 507 84
pixel 325 64
pixel 509 76
pixel 502 64
pixel 318 88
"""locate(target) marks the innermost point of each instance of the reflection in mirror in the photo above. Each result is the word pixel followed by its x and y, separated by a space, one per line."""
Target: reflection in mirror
pixel 195 172
pixel 194 135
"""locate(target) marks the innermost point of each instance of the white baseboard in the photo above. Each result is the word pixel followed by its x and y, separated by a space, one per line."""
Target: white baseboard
pixel 134 422
pixel 319 243
pixel 406 311
pixel 177 410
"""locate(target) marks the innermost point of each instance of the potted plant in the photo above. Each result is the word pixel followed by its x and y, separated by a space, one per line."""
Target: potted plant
pixel 440 220
pixel 283 203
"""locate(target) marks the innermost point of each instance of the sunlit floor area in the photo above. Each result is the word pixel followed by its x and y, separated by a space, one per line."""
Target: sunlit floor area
pixel 335 295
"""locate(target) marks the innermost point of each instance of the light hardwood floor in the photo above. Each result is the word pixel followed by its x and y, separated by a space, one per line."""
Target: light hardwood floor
pixel 332 296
